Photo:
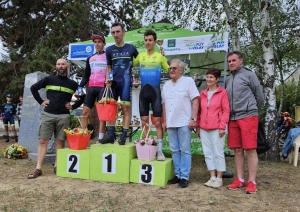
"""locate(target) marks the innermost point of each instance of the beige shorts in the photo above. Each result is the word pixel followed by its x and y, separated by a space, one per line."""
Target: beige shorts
pixel 54 123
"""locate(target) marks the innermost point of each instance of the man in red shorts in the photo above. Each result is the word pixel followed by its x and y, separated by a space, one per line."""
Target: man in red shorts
pixel 245 98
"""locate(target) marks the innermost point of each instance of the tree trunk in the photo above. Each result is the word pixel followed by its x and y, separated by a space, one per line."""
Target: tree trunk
pixel 233 25
pixel 281 90
pixel 269 83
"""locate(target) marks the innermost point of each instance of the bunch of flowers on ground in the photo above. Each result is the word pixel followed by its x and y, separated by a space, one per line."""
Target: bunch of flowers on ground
pixel 78 131
pixel 15 151
pixel 110 101
pixel 146 141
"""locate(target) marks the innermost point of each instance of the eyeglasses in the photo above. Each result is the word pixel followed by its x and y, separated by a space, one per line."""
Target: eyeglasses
pixel 173 68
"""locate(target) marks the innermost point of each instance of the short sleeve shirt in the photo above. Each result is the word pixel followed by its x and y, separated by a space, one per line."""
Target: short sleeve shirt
pixel 150 67
pixel 177 98
pixel 121 58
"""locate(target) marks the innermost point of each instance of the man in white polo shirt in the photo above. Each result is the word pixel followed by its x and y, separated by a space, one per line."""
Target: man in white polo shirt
pixel 180 98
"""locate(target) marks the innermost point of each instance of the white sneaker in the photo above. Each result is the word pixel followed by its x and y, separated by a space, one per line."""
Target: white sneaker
pixel 209 183
pixel 160 156
pixel 217 184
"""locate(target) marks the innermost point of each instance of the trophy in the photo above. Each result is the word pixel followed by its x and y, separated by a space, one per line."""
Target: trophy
pixel 160 43
pixel 135 81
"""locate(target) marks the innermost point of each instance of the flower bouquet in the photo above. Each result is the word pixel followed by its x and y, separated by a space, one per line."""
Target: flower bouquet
pixel 146 141
pixel 78 138
pixel 146 148
pixel 78 131
pixel 15 151
pixel 107 107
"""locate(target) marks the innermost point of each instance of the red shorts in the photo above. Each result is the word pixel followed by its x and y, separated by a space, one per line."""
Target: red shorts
pixel 243 133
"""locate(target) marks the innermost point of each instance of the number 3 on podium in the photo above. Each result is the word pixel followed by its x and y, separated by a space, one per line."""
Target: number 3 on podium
pixel 108 163
pixel 146 173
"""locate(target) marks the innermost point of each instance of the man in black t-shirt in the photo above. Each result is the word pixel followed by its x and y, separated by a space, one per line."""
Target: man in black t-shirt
pixel 56 116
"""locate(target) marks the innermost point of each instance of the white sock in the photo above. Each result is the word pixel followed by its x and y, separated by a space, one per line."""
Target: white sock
pixel 219 179
pixel 213 178
pixel 242 180
pixel 101 135
pixel 159 149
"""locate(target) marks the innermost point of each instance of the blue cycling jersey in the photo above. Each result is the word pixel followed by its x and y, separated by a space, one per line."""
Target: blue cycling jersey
pixel 120 58
pixel 8 109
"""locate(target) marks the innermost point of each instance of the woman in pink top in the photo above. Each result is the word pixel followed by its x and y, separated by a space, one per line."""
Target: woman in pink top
pixel 213 117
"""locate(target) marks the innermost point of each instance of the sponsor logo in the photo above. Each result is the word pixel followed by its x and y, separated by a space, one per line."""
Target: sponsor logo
pixel 121 54
pixel 172 43
pixel 219 44
pixel 139 44
pixel 152 73
pixel 97 65
pixel 193 44
pixel 88 49
pixel 78 53
pixel 170 50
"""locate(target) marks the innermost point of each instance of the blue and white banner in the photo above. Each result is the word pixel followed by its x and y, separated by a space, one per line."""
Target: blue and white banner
pixel 80 51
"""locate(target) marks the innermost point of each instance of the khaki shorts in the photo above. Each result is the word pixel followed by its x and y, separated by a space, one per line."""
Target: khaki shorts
pixel 54 123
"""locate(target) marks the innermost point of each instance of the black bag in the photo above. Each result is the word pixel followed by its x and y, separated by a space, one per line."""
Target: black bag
pixel 262 143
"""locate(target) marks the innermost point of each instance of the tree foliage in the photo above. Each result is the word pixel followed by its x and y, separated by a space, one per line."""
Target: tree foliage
pixel 291 97
pixel 37 33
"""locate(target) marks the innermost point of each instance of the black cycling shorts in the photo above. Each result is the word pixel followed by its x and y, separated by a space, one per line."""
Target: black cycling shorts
pixel 9 119
pixel 93 94
pixel 150 95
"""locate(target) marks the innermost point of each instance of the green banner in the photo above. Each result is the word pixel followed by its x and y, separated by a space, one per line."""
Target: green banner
pixel 196 145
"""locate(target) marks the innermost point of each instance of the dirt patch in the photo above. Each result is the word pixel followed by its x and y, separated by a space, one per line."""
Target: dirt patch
pixel 278 190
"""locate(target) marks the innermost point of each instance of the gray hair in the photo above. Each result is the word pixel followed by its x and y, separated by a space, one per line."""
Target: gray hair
pixel 181 64
pixel 238 53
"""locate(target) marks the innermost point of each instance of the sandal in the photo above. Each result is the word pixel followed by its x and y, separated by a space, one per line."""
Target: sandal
pixel 35 174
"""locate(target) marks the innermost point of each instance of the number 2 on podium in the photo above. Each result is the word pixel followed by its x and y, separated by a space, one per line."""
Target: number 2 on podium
pixel 73 164
pixel 108 163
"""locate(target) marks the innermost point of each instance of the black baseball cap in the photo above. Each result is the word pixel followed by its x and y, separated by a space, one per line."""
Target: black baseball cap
pixel 9 95
pixel 98 36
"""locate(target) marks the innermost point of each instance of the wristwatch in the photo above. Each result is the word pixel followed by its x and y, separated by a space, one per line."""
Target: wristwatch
pixel 195 119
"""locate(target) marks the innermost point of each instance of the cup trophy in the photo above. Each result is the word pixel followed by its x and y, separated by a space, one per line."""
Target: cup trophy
pixel 160 43
pixel 135 81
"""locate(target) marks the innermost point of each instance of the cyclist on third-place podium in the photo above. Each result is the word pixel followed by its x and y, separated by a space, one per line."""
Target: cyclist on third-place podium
pixel 151 63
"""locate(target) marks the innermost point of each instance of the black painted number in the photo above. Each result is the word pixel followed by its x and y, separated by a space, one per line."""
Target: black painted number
pixel 147 177
pixel 109 162
pixel 74 160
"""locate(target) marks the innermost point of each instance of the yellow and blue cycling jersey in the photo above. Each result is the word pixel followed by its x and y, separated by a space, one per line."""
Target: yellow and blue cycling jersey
pixel 150 67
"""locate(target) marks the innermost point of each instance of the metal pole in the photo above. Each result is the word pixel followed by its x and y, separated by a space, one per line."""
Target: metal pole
pixel 225 68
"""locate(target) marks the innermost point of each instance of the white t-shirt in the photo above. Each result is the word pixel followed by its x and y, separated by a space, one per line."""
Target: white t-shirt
pixel 177 98
pixel 209 95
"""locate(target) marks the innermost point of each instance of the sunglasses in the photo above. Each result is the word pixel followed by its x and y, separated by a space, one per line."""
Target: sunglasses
pixel 173 68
